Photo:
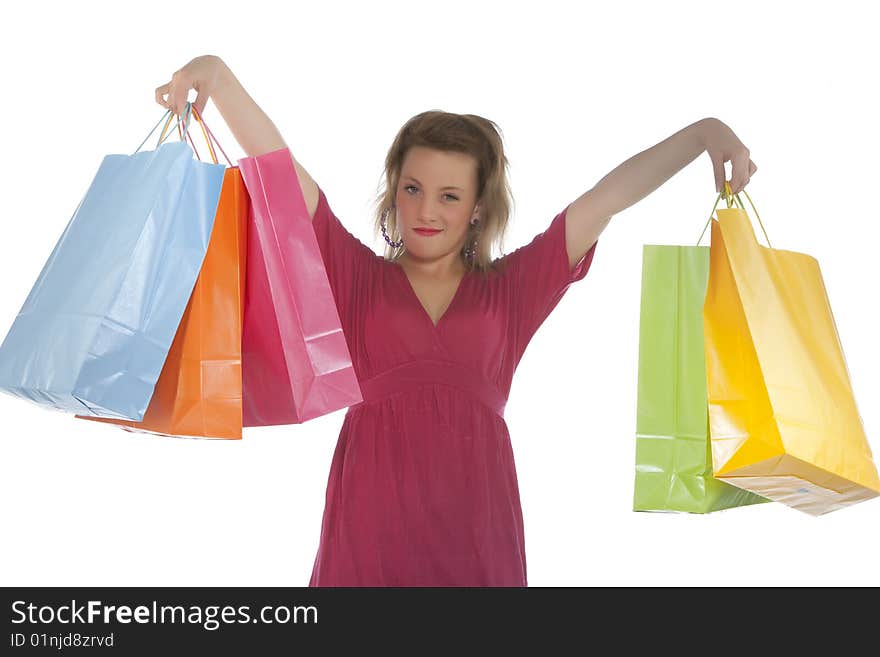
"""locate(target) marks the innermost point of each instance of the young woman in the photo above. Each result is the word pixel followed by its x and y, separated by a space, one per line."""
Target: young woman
pixel 422 489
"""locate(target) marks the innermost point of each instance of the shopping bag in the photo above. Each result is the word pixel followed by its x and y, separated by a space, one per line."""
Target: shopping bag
pixel 93 333
pixel 783 417
pixel 295 360
pixel 673 452
pixel 198 393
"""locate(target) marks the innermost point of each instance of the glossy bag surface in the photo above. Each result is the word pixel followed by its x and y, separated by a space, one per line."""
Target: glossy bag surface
pixel 783 416
pixel 94 332
pixel 295 360
pixel 198 393
pixel 673 452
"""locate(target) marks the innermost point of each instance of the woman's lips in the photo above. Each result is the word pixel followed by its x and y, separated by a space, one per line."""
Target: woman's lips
pixel 426 232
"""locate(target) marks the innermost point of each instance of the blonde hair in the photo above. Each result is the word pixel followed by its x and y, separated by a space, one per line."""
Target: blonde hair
pixel 460 133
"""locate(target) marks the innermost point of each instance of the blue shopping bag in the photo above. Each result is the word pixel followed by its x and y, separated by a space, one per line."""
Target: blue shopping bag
pixel 94 332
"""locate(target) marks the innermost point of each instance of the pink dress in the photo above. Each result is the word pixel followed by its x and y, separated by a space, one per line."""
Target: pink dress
pixel 422 488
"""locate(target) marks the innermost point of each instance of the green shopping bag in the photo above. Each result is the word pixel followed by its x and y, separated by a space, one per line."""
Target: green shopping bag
pixel 673 450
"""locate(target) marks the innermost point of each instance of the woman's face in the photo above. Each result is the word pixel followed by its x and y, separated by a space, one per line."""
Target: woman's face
pixel 437 189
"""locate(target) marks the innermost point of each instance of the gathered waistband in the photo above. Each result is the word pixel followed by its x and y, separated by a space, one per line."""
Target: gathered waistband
pixel 401 378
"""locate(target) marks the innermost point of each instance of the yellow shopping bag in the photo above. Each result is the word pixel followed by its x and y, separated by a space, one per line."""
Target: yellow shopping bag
pixel 782 415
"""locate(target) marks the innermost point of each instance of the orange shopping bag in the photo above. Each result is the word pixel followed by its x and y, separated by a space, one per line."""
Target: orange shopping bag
pixel 198 393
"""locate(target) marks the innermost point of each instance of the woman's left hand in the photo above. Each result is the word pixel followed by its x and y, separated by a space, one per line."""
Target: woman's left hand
pixel 724 146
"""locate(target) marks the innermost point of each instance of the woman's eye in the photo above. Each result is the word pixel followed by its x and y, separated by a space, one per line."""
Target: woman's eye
pixel 409 187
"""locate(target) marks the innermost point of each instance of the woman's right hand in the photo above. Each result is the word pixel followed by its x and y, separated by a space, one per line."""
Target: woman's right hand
pixel 201 74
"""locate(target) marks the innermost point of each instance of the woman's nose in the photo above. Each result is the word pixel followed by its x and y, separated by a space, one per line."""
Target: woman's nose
pixel 426 211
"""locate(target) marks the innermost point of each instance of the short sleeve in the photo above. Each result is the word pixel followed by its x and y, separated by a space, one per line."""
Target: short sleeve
pixel 536 277
pixel 347 261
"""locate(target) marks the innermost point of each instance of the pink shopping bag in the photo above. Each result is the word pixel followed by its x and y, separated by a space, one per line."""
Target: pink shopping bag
pixel 295 361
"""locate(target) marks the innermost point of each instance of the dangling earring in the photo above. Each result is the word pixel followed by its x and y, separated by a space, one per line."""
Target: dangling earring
pixel 396 244
pixel 471 251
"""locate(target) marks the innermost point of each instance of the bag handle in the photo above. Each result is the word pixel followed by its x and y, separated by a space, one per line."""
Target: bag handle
pixel 208 140
pixel 205 127
pixel 188 112
pixel 186 134
pixel 728 197
pixel 161 137
pixel 188 108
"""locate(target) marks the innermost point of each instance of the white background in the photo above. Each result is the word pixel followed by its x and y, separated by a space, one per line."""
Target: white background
pixel 576 89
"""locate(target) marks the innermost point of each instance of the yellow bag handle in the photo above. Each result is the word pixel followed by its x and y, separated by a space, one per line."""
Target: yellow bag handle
pixel 728 195
pixel 188 112
pixel 189 107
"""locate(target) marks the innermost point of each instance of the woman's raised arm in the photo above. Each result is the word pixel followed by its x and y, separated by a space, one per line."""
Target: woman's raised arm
pixel 252 128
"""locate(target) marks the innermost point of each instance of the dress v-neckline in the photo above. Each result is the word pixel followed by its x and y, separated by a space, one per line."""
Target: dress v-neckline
pixel 425 313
